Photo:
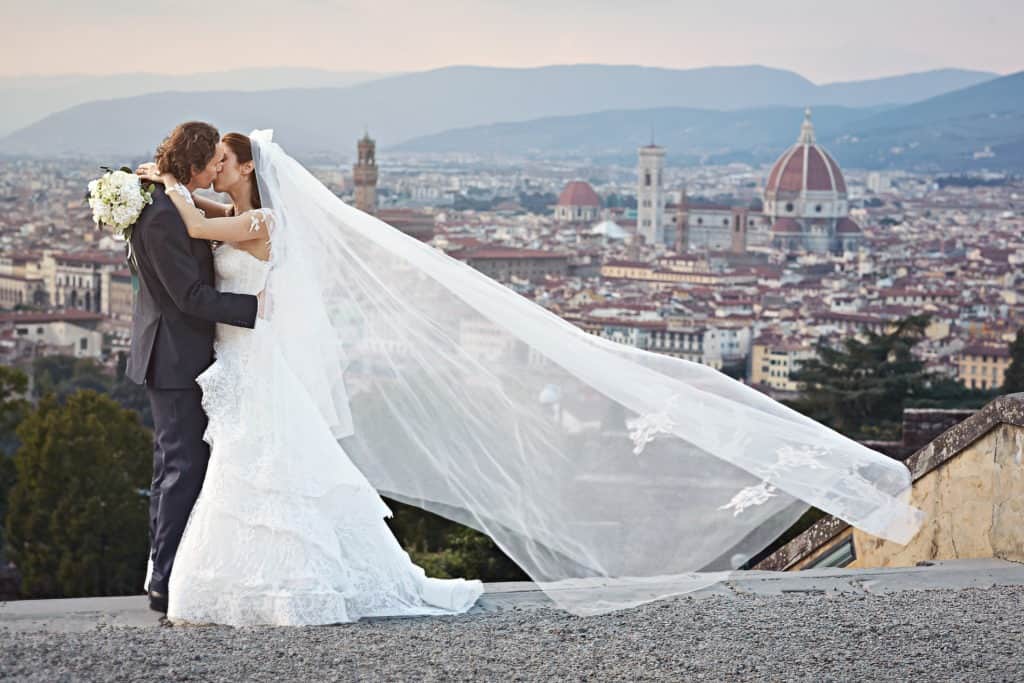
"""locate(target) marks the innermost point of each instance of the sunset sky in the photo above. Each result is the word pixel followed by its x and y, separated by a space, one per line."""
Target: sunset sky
pixel 822 41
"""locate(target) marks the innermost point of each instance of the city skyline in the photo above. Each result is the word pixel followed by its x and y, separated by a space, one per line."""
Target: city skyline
pixel 824 45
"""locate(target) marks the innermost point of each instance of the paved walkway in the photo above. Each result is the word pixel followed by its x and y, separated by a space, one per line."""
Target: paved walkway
pixel 85 614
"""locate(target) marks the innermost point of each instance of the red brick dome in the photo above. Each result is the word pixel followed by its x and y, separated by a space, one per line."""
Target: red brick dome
pixel 847 226
pixel 805 167
pixel 579 193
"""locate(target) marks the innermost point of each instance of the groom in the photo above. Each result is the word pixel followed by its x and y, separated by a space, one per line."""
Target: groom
pixel 172 340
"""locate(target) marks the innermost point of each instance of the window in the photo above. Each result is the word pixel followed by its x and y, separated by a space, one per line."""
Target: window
pixel 647 178
pixel 700 221
pixel 817 208
pixel 83 343
pixel 789 206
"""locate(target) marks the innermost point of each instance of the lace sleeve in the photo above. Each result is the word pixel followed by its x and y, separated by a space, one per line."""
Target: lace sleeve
pixel 265 219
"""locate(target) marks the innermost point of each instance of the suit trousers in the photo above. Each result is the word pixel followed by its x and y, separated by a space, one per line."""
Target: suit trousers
pixel 180 457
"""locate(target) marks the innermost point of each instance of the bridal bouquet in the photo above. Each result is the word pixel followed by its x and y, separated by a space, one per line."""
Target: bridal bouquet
pixel 117 198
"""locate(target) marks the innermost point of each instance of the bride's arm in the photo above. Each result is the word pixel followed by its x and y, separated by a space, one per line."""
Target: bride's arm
pixel 247 226
pixel 149 171
pixel 212 208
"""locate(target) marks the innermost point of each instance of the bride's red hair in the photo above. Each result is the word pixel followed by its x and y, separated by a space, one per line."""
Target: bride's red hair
pixel 241 145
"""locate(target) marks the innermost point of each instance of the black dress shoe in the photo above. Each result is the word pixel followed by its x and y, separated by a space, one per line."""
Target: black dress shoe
pixel 158 601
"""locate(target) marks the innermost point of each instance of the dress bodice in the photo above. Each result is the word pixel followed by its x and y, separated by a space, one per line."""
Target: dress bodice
pixel 238 272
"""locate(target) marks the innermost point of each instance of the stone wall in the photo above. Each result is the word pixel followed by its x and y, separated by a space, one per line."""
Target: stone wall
pixel 970 483
pixel 974 503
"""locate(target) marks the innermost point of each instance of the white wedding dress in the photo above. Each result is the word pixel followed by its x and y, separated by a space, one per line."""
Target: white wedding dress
pixel 286 531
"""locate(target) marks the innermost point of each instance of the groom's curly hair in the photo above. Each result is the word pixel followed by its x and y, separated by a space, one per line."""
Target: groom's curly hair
pixel 187 149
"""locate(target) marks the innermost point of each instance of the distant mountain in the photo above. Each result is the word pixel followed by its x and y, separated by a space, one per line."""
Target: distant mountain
pixel 949 132
pixel 398 108
pixel 902 89
pixel 29 98
pixel 977 127
pixel 691 136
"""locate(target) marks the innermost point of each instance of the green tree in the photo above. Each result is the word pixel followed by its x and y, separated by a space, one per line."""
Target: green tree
pixel 76 521
pixel 860 389
pixel 64 375
pixel 446 549
pixel 1013 381
pixel 947 392
pixel 13 407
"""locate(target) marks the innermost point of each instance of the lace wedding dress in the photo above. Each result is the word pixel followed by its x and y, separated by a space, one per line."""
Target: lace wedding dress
pixel 286 531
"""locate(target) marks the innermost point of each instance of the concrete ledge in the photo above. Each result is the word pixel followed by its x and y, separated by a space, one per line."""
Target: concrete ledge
pixel 1007 409
pixel 87 614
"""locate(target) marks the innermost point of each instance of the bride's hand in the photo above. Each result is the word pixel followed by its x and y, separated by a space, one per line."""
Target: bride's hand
pixel 150 172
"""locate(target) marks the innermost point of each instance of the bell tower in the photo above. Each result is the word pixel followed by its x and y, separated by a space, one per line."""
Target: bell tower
pixel 650 194
pixel 364 175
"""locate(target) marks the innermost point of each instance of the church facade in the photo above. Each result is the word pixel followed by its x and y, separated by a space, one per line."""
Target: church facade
pixel 805 209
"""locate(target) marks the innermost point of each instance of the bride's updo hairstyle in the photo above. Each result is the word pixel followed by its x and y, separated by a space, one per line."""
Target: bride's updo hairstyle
pixel 187 150
pixel 241 145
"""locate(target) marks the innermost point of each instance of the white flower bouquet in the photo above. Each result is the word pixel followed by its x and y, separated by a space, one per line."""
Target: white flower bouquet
pixel 117 198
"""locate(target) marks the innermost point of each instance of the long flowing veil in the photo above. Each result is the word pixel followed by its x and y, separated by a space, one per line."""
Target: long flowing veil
pixel 611 475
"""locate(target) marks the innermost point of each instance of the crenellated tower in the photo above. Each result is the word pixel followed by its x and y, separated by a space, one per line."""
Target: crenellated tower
pixel 364 175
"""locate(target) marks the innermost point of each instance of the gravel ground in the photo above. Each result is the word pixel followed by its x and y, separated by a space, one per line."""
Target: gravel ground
pixel 968 635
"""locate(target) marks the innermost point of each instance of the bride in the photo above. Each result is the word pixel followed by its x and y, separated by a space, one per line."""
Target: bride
pixel 612 476
pixel 286 530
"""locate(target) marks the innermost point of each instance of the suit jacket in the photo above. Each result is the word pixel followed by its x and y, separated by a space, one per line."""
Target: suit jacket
pixel 177 305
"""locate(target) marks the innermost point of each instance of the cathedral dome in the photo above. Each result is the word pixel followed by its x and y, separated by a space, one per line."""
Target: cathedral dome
pixel 805 167
pixel 579 193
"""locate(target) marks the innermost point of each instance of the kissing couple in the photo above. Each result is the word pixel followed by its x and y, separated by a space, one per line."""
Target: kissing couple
pixel 257 516
pixel 304 358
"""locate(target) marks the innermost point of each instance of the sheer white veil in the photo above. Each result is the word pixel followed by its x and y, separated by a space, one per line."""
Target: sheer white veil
pixel 611 475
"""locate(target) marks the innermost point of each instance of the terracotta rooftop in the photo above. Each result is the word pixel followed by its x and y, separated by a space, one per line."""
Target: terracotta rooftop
pixel 16 317
pixel 578 193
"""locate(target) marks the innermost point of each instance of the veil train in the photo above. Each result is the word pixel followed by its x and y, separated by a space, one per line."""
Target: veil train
pixel 612 476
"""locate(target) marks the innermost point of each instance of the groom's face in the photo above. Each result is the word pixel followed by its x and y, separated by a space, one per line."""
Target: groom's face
pixel 206 177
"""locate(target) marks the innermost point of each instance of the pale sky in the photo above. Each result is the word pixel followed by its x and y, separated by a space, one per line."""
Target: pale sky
pixel 823 41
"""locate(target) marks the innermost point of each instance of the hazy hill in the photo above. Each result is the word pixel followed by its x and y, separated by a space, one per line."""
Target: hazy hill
pixel 942 132
pixel 946 131
pixel 691 136
pixel 26 99
pixel 398 108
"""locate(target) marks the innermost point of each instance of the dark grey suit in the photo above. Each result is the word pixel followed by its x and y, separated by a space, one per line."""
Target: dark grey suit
pixel 172 342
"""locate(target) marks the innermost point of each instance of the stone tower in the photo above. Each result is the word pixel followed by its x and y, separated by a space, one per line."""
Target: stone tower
pixel 650 194
pixel 364 174
pixel 740 221
pixel 682 223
